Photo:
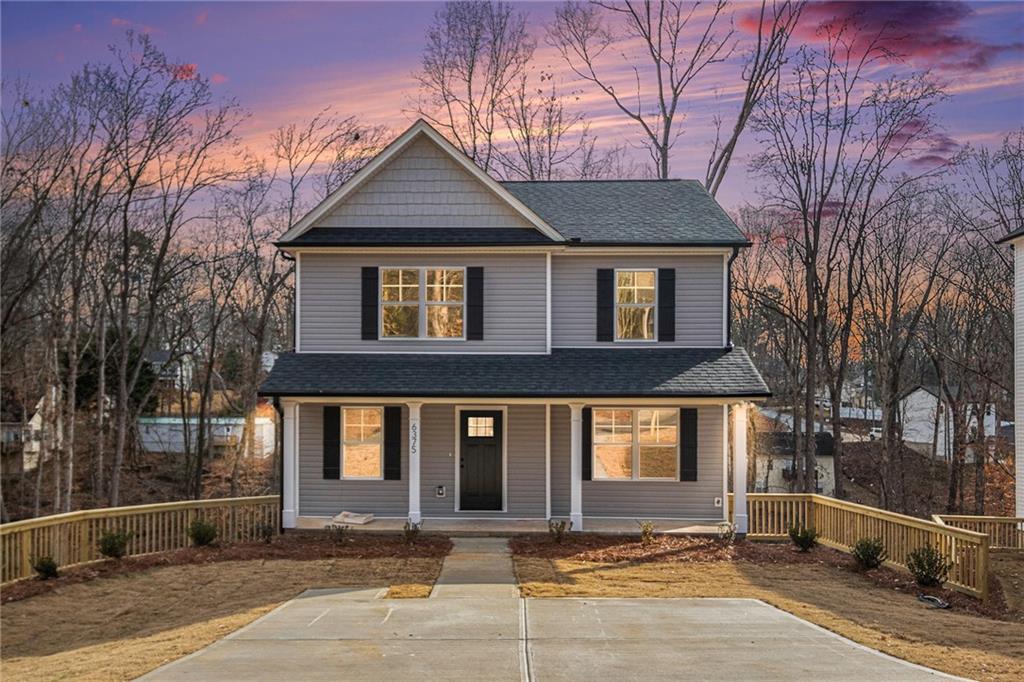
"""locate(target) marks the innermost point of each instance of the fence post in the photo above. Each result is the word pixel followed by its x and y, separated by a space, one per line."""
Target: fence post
pixel 83 540
pixel 982 568
pixel 26 554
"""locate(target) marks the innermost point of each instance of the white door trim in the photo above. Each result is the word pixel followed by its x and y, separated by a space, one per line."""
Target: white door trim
pixel 504 453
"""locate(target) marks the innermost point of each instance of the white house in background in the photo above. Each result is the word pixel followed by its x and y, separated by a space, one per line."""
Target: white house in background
pixel 773 465
pixel 1016 241
pixel 170 371
pixel 923 432
pixel 166 435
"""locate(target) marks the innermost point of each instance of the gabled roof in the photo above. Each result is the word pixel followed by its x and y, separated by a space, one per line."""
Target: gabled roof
pixel 422 236
pixel 564 373
pixel 1016 234
pixel 419 129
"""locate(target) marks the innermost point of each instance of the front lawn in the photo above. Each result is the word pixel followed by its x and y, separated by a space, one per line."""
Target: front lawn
pixel 118 620
pixel 878 609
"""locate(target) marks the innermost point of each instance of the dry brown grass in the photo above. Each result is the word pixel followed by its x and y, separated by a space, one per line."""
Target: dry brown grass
pixel 120 627
pixel 835 598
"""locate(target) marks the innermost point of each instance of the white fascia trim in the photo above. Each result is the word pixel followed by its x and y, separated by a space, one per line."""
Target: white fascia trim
pixel 420 127
pixel 419 250
pixel 470 401
pixel 651 251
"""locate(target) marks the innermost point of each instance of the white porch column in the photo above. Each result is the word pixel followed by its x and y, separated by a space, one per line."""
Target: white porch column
pixel 414 462
pixel 290 464
pixel 739 468
pixel 576 468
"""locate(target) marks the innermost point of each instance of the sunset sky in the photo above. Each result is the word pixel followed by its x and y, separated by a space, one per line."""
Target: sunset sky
pixel 285 61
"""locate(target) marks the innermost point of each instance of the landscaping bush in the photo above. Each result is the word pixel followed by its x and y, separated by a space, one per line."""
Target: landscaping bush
pixel 114 543
pixel 412 531
pixel 267 532
pixel 803 538
pixel 338 532
pixel 202 532
pixel 727 532
pixel 928 566
pixel 45 567
pixel 869 552
pixel 646 532
pixel 557 529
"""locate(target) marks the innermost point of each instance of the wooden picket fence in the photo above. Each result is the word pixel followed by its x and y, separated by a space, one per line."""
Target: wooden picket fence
pixel 841 524
pixel 1003 532
pixel 73 538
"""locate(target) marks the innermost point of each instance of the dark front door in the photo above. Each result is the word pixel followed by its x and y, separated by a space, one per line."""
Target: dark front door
pixel 480 469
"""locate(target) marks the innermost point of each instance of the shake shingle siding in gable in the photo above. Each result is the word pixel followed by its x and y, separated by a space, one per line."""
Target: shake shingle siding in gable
pixel 699 291
pixel 423 187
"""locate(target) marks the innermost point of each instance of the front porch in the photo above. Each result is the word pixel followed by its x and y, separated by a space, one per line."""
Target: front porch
pixel 505 527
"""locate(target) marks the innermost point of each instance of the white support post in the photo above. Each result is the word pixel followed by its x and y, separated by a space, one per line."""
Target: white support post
pixel 289 462
pixel 414 462
pixel 739 468
pixel 576 468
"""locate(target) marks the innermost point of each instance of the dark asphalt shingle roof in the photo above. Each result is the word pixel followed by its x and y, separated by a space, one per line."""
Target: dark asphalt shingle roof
pixel 566 373
pixel 420 236
pixel 631 211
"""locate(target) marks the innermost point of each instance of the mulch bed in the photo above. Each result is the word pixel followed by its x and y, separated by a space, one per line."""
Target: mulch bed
pixel 294 545
pixel 607 549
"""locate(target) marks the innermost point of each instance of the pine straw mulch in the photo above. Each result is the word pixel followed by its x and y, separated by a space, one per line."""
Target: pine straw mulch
pixel 606 549
pixel 294 545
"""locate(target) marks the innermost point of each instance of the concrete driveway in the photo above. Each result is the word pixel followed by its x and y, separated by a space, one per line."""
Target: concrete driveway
pixel 356 635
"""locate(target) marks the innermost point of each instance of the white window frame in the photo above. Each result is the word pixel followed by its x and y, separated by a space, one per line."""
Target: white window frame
pixel 615 309
pixel 341 468
pixel 635 444
pixel 422 303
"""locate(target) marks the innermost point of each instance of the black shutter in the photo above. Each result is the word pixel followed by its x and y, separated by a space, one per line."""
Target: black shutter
pixel 588 443
pixel 475 304
pixel 666 304
pixel 688 444
pixel 605 304
pixel 393 443
pixel 332 441
pixel 370 289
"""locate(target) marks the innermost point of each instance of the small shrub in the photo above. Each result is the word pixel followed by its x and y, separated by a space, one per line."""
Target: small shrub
pixel 928 566
pixel 412 532
pixel 114 543
pixel 727 532
pixel 202 532
pixel 646 532
pixel 803 538
pixel 45 567
pixel 267 532
pixel 557 530
pixel 338 532
pixel 869 552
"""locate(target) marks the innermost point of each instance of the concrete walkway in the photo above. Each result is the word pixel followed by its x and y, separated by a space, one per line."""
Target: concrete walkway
pixel 475 627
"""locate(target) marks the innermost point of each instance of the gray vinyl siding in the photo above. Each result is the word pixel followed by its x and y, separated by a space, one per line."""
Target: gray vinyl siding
pixel 699 303
pixel 643 499
pixel 423 187
pixel 515 313
pixel 328 497
pixel 525 460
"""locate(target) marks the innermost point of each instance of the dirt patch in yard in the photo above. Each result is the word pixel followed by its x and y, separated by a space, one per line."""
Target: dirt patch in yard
pixel 294 545
pixel 876 608
pixel 127 624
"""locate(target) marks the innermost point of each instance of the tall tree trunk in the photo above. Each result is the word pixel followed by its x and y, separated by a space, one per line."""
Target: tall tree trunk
pixel 99 475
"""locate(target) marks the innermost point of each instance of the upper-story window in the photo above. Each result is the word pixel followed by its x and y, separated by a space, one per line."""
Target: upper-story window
pixel 409 313
pixel 635 304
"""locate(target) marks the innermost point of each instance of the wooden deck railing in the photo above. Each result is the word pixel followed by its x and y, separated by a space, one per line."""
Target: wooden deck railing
pixel 73 538
pixel 1004 532
pixel 841 524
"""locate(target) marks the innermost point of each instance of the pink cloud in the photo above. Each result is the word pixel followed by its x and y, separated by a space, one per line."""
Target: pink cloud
pixel 218 78
pixel 77 28
pixel 118 21
pixel 202 17
pixel 183 72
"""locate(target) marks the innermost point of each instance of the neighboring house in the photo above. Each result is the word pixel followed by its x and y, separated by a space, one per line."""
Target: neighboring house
pixel 166 435
pixel 1016 241
pixel 475 349
pixel 170 372
pixel 21 442
pixel 773 463
pixel 927 423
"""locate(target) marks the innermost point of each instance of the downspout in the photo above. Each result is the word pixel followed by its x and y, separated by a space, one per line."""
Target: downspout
pixel 728 298
pixel 279 437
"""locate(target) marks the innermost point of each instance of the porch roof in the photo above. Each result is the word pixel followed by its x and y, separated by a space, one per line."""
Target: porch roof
pixel 565 373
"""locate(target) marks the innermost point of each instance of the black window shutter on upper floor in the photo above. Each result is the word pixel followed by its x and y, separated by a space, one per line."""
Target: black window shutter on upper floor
pixel 605 304
pixel 688 444
pixel 393 443
pixel 332 441
pixel 588 443
pixel 369 307
pixel 666 304
pixel 475 304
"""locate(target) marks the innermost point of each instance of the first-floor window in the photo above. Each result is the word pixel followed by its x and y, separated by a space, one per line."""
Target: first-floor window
pixel 362 446
pixel 636 444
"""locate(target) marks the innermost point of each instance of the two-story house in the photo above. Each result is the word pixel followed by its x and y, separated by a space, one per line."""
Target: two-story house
pixel 473 349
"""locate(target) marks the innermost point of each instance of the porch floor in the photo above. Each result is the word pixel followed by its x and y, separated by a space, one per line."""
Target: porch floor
pixel 503 527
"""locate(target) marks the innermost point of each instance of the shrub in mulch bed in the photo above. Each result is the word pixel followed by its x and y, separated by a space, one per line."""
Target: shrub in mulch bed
pixel 294 545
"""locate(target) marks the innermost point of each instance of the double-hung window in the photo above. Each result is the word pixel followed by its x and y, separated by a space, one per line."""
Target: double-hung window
pixel 362 451
pixel 635 304
pixel 636 444
pixel 418 303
